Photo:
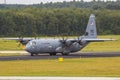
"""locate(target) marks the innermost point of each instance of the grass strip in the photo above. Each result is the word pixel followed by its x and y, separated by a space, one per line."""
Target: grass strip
pixel 108 67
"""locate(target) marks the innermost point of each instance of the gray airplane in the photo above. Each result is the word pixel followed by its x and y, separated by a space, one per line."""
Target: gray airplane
pixel 63 46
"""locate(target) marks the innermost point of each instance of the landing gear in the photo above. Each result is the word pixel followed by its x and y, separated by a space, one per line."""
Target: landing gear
pixel 36 54
pixel 52 54
pixel 65 54
pixel 32 54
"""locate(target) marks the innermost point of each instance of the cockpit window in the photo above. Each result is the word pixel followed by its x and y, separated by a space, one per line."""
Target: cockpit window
pixel 28 43
pixel 32 43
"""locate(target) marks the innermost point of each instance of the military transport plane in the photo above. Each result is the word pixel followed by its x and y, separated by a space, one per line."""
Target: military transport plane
pixel 63 46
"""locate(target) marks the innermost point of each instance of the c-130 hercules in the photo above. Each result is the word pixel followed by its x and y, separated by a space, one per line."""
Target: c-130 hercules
pixel 64 46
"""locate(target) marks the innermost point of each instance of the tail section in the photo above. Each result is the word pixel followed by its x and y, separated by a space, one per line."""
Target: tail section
pixel 91 31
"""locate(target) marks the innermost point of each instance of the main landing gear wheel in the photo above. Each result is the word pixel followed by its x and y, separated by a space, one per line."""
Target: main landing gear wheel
pixel 32 54
pixel 65 54
pixel 52 54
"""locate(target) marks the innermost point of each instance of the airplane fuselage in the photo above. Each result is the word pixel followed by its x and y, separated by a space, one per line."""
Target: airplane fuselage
pixel 51 46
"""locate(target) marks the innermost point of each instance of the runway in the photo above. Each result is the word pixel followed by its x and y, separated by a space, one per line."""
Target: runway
pixel 26 56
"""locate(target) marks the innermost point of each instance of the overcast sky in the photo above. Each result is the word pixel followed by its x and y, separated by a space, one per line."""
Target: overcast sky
pixel 35 1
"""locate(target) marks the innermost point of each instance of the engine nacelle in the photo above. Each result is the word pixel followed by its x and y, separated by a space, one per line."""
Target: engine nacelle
pixel 68 43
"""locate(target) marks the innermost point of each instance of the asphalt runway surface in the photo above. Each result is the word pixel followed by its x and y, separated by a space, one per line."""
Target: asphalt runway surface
pixel 72 55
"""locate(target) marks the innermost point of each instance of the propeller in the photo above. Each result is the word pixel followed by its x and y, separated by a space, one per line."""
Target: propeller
pixel 20 41
pixel 80 40
pixel 64 40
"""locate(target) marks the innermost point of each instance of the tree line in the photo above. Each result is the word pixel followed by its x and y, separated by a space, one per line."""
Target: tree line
pixel 32 21
pixel 95 4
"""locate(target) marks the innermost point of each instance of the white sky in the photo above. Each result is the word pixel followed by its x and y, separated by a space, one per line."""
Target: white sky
pixel 35 1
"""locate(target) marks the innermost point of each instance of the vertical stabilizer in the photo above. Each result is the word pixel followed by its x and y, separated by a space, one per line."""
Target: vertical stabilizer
pixel 91 31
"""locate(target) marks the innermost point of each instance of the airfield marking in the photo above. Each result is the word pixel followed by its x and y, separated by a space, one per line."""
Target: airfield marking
pixel 58 78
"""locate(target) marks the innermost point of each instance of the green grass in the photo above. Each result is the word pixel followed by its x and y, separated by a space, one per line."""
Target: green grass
pixel 9 45
pixel 11 54
pixel 109 67
pixel 108 46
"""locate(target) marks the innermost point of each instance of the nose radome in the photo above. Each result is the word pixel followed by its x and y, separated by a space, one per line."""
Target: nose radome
pixel 27 48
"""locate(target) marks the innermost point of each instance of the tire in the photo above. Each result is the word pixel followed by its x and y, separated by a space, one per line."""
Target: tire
pixel 54 54
pixel 50 54
pixel 32 54
pixel 65 54
pixel 36 54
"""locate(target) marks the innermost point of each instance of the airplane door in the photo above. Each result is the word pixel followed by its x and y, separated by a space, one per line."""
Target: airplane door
pixel 50 48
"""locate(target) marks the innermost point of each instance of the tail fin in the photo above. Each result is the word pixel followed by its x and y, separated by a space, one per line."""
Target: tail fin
pixel 91 31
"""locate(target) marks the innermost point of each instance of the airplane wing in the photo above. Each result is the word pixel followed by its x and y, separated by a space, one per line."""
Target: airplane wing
pixel 17 38
pixel 23 41
pixel 97 40
pixel 88 40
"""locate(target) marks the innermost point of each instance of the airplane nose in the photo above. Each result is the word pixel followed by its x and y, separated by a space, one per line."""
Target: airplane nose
pixel 28 49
